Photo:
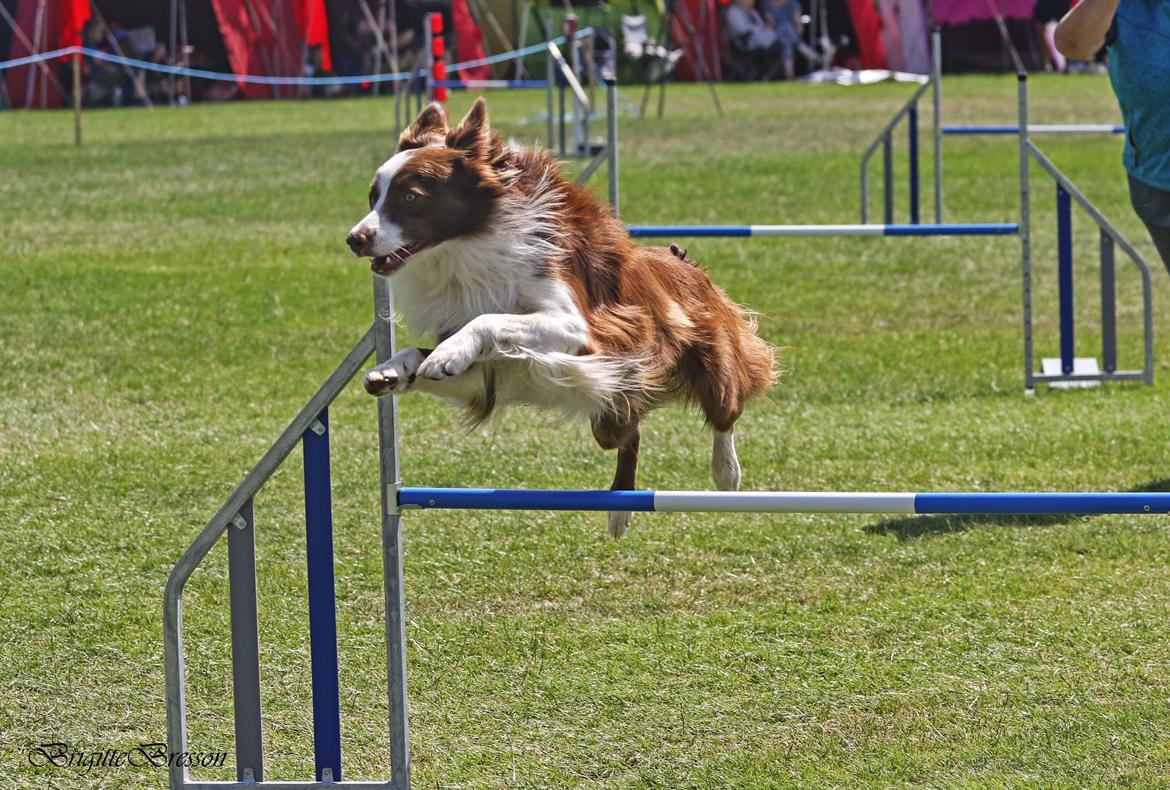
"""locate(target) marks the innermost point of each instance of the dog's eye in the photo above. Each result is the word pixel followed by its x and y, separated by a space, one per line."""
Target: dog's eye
pixel 410 196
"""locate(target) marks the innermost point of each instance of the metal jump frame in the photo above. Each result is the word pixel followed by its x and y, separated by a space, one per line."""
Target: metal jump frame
pixel 311 429
pixel 1067 194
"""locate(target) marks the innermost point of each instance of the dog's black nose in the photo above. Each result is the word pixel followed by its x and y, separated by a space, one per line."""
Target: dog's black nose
pixel 358 241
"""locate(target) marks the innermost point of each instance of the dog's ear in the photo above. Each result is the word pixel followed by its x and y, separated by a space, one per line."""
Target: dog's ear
pixel 428 127
pixel 473 134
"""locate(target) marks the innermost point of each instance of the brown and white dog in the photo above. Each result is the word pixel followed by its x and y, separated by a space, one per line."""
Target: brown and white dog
pixel 536 294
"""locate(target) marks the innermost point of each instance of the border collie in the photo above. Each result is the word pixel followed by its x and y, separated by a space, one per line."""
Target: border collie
pixel 535 294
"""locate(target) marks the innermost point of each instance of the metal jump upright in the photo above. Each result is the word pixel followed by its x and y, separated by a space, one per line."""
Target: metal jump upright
pixel 310 428
pixel 1067 370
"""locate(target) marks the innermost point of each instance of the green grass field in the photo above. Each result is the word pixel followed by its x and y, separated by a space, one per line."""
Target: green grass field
pixel 176 289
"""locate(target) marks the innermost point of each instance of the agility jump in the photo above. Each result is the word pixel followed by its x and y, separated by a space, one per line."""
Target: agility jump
pixel 310 428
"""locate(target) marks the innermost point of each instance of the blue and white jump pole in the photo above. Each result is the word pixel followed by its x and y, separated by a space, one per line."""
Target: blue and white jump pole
pixel 979 503
pixel 748 231
pixel 1035 128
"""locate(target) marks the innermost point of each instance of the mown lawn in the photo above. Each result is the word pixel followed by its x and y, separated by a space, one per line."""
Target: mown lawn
pixel 175 290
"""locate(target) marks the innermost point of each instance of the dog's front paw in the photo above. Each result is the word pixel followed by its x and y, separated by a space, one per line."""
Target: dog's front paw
pixel 379 382
pixel 396 375
pixel 445 362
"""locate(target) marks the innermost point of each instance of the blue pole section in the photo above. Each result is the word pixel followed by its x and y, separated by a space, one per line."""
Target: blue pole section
pixel 1065 263
pixel 525 499
pixel 322 602
pixel 912 121
pixel 1042 503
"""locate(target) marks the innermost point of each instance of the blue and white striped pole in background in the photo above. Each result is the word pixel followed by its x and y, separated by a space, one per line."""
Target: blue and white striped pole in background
pixel 787 501
pixel 740 231
pixel 1036 128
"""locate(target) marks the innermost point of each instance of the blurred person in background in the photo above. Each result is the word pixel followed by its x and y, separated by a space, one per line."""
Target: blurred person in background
pixel 785 18
pixel 748 34
pixel 1046 15
pixel 1136 34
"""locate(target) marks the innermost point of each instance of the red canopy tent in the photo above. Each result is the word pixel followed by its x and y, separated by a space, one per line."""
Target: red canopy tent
pixel 42 26
pixel 867 24
pixel 468 41
pixel 313 28
pixel 694 25
pixel 263 37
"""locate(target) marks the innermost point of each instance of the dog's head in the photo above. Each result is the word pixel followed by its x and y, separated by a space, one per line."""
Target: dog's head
pixel 439 185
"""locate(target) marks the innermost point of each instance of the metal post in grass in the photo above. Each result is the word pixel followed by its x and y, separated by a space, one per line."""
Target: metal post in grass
pixel 1025 230
pixel 1064 246
pixel 172 43
pixel 245 646
pixel 888 179
pixel 550 78
pixel 392 546
pixel 912 141
pixel 612 135
pixel 77 99
pixel 322 602
pixel 1108 304
pixel 580 140
pixel 936 85
pixel 381 31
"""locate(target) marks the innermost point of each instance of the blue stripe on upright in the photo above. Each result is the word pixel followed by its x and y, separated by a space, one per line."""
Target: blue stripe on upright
pixel 721 231
pixel 1040 503
pixel 322 602
pixel 1065 270
pixel 504 499
pixel 972 229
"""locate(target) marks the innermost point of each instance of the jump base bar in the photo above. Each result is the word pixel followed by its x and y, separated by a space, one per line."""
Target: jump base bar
pixel 787 502
pixel 741 231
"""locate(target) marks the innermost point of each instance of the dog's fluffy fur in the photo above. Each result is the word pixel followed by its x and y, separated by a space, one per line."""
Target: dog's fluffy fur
pixel 536 294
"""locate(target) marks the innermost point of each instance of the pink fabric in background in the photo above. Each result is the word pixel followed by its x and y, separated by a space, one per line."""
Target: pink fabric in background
pixel 957 12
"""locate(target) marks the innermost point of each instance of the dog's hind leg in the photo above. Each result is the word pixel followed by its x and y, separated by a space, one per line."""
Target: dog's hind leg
pixel 612 433
pixel 714 383
pixel 725 470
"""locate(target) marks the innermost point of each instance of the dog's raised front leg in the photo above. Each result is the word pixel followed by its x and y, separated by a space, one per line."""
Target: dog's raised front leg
pixel 503 334
pixel 396 375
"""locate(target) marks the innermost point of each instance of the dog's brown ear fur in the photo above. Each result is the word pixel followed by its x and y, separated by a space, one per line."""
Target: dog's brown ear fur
pixel 473 134
pixel 428 127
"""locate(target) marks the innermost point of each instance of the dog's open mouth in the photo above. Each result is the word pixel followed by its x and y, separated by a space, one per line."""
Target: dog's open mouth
pixel 388 264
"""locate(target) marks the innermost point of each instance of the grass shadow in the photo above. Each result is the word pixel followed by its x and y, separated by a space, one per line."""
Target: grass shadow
pixel 912 527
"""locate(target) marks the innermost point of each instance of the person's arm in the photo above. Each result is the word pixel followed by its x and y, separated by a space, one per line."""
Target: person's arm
pixel 1082 31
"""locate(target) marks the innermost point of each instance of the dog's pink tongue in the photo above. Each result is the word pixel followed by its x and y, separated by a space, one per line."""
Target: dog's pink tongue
pixel 385 264
pixel 388 264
